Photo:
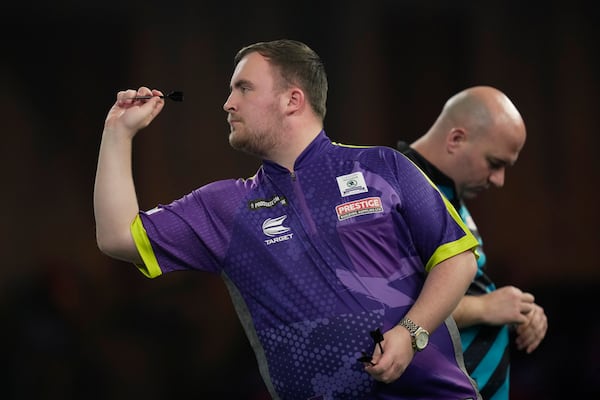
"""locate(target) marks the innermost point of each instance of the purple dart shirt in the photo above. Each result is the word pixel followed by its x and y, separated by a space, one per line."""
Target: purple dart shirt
pixel 317 258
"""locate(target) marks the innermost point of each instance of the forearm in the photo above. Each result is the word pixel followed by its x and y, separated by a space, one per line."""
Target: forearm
pixel 505 305
pixel 444 287
pixel 115 200
pixel 469 311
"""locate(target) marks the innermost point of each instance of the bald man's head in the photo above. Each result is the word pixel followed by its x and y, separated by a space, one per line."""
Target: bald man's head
pixel 479 107
pixel 478 133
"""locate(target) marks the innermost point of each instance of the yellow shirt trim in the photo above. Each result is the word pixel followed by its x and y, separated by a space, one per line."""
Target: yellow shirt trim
pixel 445 251
pixel 150 267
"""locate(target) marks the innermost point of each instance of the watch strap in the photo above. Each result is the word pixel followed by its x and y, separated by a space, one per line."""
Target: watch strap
pixel 409 325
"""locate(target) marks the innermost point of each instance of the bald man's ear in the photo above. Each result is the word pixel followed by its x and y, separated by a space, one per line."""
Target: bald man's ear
pixel 455 138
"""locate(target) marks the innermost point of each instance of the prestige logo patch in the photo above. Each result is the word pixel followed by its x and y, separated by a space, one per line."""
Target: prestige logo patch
pixel 369 205
pixel 267 203
pixel 352 184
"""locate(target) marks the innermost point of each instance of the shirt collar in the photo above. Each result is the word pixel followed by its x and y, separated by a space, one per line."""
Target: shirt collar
pixel 441 180
pixel 312 152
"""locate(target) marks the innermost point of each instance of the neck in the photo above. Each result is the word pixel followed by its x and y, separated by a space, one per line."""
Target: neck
pixel 428 147
pixel 293 144
pixel 422 146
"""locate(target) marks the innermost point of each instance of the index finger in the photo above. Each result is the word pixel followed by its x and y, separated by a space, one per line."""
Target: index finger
pixel 527 297
pixel 126 96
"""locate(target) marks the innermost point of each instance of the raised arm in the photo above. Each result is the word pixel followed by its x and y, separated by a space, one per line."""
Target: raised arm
pixel 115 200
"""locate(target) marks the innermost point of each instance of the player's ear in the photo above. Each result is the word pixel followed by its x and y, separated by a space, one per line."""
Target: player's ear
pixel 455 138
pixel 295 100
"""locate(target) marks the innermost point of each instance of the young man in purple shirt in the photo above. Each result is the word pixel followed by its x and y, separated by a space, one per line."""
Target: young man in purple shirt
pixel 326 249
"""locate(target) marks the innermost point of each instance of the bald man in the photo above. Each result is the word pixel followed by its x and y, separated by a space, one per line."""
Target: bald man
pixel 478 134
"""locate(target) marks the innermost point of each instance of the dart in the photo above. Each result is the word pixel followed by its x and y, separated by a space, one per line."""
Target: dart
pixel 366 359
pixel 175 96
pixel 377 338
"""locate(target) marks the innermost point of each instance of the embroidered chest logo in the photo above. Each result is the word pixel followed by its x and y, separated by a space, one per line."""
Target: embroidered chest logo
pixel 352 184
pixel 277 232
pixel 267 203
pixel 369 205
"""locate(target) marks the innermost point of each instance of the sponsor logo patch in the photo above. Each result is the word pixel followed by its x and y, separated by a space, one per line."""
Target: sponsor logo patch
pixel 352 184
pixel 267 203
pixel 369 205
pixel 273 227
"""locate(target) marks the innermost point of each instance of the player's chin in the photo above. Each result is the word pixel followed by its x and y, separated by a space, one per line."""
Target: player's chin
pixel 234 136
pixel 469 194
pixel 237 141
pixel 473 192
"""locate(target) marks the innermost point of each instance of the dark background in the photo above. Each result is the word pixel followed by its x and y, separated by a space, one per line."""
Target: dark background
pixel 76 324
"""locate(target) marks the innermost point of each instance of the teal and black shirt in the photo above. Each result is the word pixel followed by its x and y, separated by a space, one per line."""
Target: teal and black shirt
pixel 486 350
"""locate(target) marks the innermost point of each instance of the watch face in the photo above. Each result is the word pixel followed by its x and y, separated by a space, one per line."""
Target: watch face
pixel 421 340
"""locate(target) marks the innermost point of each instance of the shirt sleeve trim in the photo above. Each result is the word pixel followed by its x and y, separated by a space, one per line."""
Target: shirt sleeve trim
pixel 447 250
pixel 451 249
pixel 150 267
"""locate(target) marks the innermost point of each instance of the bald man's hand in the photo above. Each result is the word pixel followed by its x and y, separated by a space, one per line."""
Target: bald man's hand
pixel 531 333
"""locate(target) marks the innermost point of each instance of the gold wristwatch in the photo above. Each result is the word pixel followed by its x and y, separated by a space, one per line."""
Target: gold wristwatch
pixel 419 336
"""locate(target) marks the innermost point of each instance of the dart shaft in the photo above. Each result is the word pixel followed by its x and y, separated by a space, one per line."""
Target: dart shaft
pixel 175 96
pixel 146 97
